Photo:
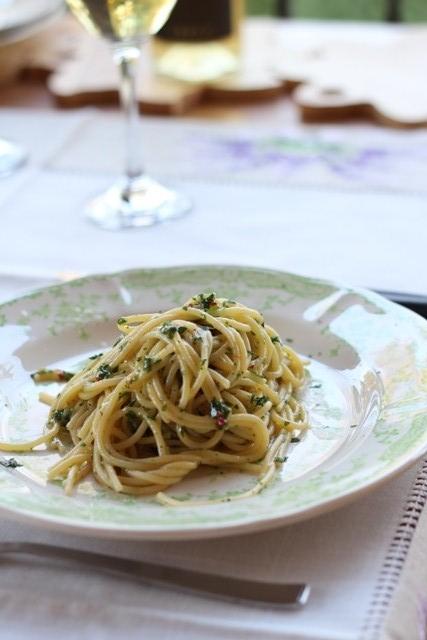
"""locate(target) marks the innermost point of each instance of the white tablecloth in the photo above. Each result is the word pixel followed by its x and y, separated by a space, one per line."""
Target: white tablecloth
pixel 370 233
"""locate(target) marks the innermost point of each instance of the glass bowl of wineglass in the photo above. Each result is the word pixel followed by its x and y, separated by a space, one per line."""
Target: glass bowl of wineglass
pixel 136 200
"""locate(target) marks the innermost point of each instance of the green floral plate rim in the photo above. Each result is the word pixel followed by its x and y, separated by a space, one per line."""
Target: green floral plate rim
pixel 366 394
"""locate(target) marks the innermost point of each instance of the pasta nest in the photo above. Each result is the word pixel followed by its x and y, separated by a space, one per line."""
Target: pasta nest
pixel 208 383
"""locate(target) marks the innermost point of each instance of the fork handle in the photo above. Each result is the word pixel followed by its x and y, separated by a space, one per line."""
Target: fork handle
pixel 204 584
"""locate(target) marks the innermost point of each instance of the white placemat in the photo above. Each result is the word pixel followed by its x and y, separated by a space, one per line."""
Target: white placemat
pixel 342 555
pixel 371 237
pixel 341 158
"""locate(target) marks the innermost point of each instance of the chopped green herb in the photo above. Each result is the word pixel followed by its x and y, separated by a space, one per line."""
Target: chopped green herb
pixel 294 440
pixel 106 371
pixel 280 459
pixel 121 321
pixel 169 330
pixel 62 416
pixel 353 426
pixel 203 363
pixel 96 356
pixel 11 463
pixel 148 363
pixel 289 340
pixel 132 420
pixel 315 385
pixel 275 339
pixel 205 302
pixel 258 401
pixel 220 412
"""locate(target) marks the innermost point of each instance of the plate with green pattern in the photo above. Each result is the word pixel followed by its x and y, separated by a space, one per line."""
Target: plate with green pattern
pixel 366 395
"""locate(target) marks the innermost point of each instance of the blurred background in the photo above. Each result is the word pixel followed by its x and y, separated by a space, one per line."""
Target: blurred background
pixel 409 10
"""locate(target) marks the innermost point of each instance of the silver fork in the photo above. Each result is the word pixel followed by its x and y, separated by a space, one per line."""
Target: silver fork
pixel 270 594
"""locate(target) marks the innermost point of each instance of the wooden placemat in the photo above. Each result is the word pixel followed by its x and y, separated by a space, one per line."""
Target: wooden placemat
pixel 332 81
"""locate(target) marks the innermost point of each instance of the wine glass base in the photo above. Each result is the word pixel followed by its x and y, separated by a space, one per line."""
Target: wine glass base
pixel 143 204
pixel 12 157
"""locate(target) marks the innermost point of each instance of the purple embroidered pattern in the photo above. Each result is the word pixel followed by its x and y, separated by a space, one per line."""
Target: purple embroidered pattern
pixel 291 154
pixel 293 159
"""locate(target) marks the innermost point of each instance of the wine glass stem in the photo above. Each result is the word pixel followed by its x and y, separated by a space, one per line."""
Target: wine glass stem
pixel 127 59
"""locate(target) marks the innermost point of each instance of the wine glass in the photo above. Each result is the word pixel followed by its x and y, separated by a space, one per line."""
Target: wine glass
pixel 136 200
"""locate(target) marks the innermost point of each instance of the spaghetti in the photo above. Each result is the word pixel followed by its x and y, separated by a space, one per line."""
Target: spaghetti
pixel 208 383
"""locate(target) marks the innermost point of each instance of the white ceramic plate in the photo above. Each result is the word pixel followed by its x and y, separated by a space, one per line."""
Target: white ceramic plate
pixel 20 17
pixel 367 398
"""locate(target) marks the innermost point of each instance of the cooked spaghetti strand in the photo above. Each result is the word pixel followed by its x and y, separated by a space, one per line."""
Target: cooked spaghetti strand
pixel 208 383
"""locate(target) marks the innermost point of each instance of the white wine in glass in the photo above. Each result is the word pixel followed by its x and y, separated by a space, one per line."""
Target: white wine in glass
pixel 136 200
